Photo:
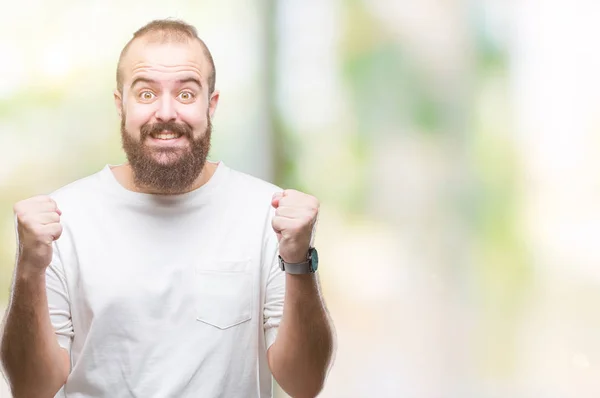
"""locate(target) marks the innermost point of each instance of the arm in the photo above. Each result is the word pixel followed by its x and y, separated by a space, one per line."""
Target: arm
pixel 34 363
pixel 301 355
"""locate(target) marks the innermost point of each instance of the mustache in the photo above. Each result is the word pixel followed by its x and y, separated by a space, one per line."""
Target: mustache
pixel 155 128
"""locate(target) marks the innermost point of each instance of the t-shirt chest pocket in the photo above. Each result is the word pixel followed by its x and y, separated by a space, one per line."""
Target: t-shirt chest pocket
pixel 224 292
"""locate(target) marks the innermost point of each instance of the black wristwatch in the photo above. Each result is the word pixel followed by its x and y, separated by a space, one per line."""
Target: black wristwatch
pixel 306 267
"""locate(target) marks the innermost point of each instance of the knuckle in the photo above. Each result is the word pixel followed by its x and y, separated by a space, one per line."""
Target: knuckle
pixel 313 202
pixel 20 208
pixel 23 219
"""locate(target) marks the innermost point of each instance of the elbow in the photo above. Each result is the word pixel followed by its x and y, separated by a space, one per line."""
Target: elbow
pixel 301 374
pixel 308 386
pixel 28 385
pixel 27 390
pixel 310 389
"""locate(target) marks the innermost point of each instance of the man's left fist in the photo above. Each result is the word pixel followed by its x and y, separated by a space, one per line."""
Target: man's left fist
pixel 294 223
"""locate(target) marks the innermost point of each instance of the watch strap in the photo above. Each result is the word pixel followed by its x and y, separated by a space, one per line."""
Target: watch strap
pixel 295 268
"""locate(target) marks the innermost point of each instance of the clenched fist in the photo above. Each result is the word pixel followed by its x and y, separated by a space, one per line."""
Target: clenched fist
pixel 38 225
pixel 294 223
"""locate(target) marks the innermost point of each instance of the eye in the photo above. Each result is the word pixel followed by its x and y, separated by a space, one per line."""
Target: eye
pixel 146 95
pixel 186 95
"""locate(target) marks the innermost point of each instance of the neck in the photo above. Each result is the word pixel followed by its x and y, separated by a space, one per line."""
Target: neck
pixel 124 175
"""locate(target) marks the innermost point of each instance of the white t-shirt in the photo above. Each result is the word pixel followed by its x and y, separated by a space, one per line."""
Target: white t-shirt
pixel 166 296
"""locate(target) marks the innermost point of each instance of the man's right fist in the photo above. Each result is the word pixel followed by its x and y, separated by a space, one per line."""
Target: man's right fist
pixel 38 225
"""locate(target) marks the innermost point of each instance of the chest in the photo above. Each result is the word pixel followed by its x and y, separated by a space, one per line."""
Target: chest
pixel 148 272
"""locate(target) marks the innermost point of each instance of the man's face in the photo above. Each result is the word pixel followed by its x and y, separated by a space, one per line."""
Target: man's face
pixel 165 113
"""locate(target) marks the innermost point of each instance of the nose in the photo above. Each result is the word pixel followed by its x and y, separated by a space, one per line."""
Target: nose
pixel 166 110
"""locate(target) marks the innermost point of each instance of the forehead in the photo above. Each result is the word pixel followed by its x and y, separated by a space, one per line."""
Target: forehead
pixel 164 60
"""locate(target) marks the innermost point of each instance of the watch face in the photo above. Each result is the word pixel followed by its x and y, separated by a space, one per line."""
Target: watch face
pixel 314 260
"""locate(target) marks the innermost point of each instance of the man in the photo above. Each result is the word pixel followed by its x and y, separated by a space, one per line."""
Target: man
pixel 173 276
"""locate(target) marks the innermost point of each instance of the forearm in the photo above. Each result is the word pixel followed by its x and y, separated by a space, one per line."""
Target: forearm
pixel 34 363
pixel 301 355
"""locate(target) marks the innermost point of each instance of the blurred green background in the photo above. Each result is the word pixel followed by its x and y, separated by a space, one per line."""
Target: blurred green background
pixel 452 143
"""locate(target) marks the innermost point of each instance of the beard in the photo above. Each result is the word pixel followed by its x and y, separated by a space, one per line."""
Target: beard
pixel 178 169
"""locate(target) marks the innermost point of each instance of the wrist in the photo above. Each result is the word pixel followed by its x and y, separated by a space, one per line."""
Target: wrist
pixel 307 265
pixel 28 271
pixel 294 257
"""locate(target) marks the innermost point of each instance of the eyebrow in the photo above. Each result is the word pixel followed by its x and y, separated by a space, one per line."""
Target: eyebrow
pixel 190 80
pixel 180 81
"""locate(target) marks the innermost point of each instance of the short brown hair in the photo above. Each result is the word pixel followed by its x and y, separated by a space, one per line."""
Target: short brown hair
pixel 168 30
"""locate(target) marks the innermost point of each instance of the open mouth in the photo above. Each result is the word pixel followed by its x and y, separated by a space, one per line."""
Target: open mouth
pixel 166 135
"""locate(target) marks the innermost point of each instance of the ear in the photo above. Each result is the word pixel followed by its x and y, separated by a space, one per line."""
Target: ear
pixel 212 105
pixel 118 102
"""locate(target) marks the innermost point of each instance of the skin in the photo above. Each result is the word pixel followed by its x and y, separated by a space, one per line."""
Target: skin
pixel 164 82
pixel 34 363
pixel 301 355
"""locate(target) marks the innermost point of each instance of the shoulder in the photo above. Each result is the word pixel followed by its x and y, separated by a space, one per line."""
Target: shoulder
pixel 251 187
pixel 80 189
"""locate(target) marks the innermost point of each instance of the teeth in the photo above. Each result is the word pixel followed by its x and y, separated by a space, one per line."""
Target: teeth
pixel 166 136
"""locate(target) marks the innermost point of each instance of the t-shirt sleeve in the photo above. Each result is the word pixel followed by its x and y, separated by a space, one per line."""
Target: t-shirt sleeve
pixel 275 292
pixel 58 301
